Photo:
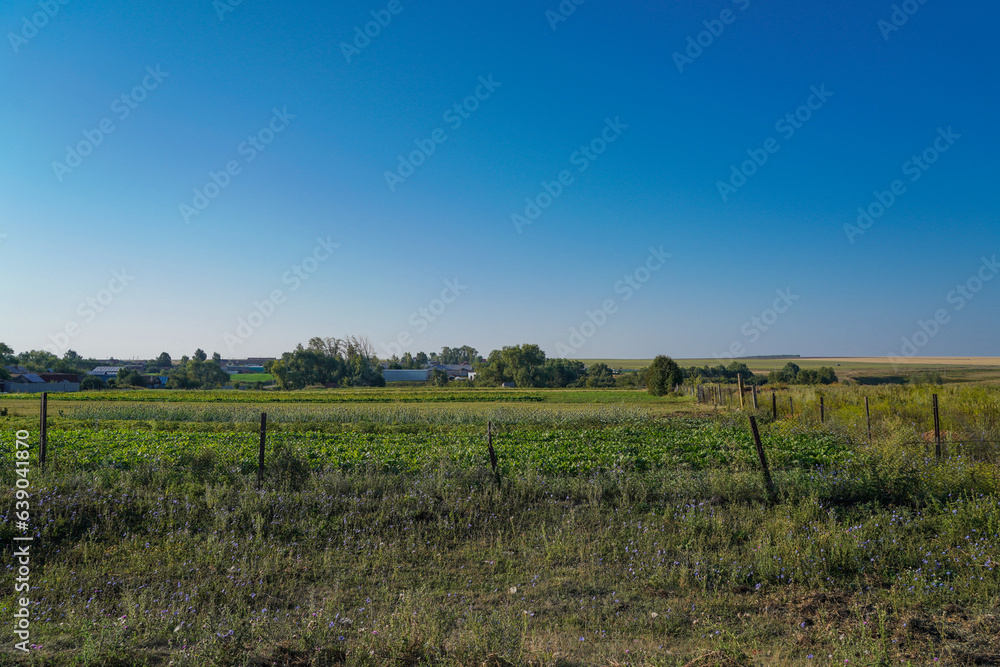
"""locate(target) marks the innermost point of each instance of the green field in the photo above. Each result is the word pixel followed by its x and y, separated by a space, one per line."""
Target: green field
pixel 874 370
pixel 250 378
pixel 617 529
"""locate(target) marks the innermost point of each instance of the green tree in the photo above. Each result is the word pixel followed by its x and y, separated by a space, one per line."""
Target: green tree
pixel 348 362
pixel 200 355
pixel 163 361
pixel 92 383
pixel 37 360
pixel 468 355
pixel 520 364
pixel 563 373
pixel 807 376
pixel 129 378
pixel 197 374
pixel 826 375
pixel 663 376
pixel 439 378
pixel 217 358
pixel 600 375
pixel 791 370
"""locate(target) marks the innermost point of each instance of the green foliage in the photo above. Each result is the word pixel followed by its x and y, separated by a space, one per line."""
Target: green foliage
pixel 723 374
pixel 379 535
pixel 92 383
pixel 600 375
pixel 792 374
pixel 520 364
pixel 127 378
pixel 663 375
pixel 37 360
pixel 197 374
pixel 563 373
pixel 455 355
pixel 348 362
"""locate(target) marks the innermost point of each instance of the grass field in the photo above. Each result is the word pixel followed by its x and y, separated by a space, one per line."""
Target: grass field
pixel 624 530
pixel 250 378
pixel 871 369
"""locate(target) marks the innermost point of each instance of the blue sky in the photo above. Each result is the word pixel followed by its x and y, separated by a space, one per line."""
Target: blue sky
pixel 108 249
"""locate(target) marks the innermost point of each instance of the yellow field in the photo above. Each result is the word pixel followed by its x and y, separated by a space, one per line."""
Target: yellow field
pixel 909 361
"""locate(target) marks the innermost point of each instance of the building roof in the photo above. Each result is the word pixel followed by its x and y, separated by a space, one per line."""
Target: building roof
pixel 106 370
pixel 16 369
pixel 59 377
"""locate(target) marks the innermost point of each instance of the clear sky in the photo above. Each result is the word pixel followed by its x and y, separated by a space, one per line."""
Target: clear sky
pixel 608 179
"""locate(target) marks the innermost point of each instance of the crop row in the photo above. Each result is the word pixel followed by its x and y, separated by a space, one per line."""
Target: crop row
pixel 688 443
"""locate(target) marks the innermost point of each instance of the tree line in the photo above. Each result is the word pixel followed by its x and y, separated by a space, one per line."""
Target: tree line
pixel 351 362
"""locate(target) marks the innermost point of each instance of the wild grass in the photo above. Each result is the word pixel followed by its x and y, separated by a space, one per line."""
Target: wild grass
pixel 882 554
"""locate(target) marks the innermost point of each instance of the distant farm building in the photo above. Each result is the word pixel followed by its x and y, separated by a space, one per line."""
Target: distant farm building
pixel 454 370
pixel 406 375
pixel 106 372
pixel 23 381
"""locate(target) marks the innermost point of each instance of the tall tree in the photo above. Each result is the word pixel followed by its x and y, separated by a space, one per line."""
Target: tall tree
pixel 520 364
pixel 200 355
pixel 600 375
pixel 663 376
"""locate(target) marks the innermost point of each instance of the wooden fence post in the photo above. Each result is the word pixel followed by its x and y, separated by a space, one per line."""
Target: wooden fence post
pixel 772 493
pixel 774 405
pixel 791 407
pixel 868 418
pixel 753 388
pixel 937 429
pixel 739 381
pixel 493 454
pixel 43 440
pixel 822 411
pixel 263 443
